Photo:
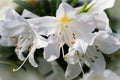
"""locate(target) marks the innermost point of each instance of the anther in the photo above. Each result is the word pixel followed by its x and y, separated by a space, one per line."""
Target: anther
pixel 53 34
pixel 92 60
pixel 66 26
pixel 96 57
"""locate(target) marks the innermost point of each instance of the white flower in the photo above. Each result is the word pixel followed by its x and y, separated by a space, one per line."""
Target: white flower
pixel 104 43
pixel 23 35
pixel 4 5
pixel 66 28
pixel 93 58
pixel 106 75
pixel 97 7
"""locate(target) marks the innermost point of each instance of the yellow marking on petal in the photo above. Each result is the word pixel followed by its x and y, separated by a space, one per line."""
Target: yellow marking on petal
pixel 64 18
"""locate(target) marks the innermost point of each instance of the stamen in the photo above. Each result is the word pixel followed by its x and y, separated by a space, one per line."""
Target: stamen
pixel 63 52
pixel 53 34
pixel 92 60
pixel 82 70
pixel 96 57
pixel 96 46
pixel 73 36
pixel 14 70
pixel 66 26
pixel 60 33
pixel 73 42
pixel 28 38
pixel 97 50
pixel 21 37
pixel 13 37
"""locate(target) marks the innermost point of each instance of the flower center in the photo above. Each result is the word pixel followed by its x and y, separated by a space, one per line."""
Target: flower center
pixel 64 18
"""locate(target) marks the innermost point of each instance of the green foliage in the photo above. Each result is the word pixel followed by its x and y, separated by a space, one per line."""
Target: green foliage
pixel 41 7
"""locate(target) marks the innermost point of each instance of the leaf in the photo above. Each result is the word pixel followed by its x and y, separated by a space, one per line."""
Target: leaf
pixel 6 52
pixel 5 61
pixel 54 6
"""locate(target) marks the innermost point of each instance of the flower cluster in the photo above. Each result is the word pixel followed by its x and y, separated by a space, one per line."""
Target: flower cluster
pixel 85 30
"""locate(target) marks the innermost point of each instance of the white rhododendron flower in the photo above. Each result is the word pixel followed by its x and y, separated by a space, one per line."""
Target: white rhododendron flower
pixel 98 6
pixel 104 43
pixel 66 28
pixel 106 75
pixel 16 31
pixel 93 58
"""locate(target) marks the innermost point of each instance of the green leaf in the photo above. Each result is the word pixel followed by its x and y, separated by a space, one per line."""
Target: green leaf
pixel 74 3
pixel 83 8
pixel 54 6
pixel 5 61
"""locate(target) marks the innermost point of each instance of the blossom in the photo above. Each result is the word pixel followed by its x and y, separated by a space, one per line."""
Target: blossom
pixel 66 28
pixel 93 58
pixel 97 7
pixel 106 75
pixel 103 43
pixel 16 31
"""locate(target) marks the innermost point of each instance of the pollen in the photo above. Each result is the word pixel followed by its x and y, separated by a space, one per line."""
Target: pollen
pixel 64 18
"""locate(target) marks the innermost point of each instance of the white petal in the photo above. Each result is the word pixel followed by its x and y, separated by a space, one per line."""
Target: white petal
pixel 102 20
pixel 95 59
pixel 108 74
pixel 31 58
pixel 100 5
pixel 72 71
pixel 83 43
pixel 27 13
pixel 44 25
pixel 19 54
pixel 41 42
pixel 51 51
pixel 106 42
pixel 5 41
pixel 63 9
pixel 84 23
pixel 71 57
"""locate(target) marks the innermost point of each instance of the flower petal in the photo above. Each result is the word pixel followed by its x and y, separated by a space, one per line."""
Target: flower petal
pixel 95 59
pixel 27 13
pixel 83 43
pixel 106 42
pixel 71 57
pixel 31 57
pixel 102 20
pixel 84 23
pixel 51 51
pixel 100 5
pixel 41 42
pixel 65 9
pixel 73 70
pixel 44 25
